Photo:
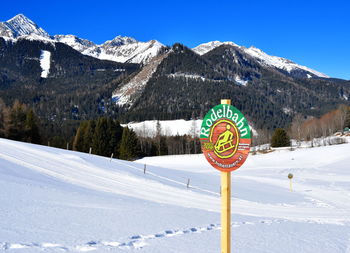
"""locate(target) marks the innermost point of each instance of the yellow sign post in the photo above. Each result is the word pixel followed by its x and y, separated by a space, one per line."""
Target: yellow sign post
pixel 290 176
pixel 225 139
pixel 225 205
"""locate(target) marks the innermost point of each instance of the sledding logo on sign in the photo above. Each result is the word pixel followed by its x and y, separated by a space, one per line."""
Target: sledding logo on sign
pixel 225 137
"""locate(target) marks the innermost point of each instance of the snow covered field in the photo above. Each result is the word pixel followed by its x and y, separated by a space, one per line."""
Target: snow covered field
pixel 148 128
pixel 54 200
pixel 175 127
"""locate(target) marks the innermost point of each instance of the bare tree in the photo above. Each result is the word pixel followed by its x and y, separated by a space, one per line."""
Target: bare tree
pixel 296 128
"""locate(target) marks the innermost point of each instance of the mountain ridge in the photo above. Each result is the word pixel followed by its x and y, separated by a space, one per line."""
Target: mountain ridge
pixel 129 50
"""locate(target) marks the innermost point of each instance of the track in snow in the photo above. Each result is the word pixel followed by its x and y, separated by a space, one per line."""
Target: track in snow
pixel 134 242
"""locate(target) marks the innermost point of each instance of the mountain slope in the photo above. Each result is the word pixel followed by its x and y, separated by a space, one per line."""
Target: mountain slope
pixel 279 63
pixel 58 82
pixel 186 82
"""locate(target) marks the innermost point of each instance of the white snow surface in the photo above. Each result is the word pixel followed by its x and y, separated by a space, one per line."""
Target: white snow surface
pixel 45 63
pixel 241 81
pixel 56 200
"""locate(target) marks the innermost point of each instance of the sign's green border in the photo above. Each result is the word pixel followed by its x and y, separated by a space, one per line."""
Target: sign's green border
pixel 224 111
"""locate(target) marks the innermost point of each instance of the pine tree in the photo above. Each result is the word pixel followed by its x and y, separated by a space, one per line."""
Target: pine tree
pixel 115 132
pixel 129 146
pixel 3 118
pixel 78 143
pixel 101 139
pixel 88 136
pixel 31 128
pixel 280 138
pixel 16 125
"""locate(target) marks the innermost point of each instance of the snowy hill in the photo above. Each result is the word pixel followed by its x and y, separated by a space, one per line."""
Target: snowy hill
pixel 57 200
pixel 263 58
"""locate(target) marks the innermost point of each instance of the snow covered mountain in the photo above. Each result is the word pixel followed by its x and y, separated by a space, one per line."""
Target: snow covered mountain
pixel 206 47
pixel 264 59
pixel 129 50
pixel 20 25
pixel 120 49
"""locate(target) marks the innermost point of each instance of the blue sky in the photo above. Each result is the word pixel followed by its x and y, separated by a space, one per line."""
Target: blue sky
pixel 311 33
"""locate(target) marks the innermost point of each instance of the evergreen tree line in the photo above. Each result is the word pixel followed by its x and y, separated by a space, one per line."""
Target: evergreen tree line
pixel 19 123
pixel 105 136
pixel 170 145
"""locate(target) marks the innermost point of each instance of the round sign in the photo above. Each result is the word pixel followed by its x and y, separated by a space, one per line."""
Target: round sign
pixel 290 175
pixel 225 137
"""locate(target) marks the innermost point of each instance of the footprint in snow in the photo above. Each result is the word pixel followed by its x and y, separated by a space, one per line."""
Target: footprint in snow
pixel 135 237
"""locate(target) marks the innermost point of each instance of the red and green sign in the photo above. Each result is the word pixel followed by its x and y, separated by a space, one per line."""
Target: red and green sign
pixel 225 137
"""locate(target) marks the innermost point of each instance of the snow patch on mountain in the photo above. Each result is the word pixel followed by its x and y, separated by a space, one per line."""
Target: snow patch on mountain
pixel 287 110
pixel 241 81
pixel 206 47
pixel 132 52
pixel 45 63
pixel 279 62
pixel 74 42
